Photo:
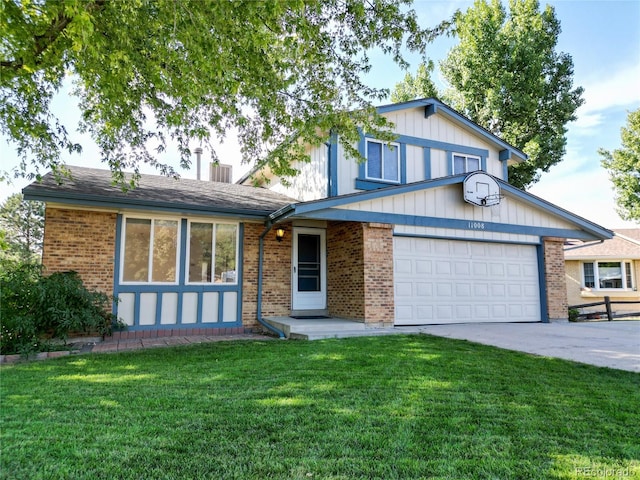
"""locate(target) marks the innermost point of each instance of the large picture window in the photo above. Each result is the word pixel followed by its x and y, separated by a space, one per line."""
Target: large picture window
pixel 608 275
pixel 383 161
pixel 213 252
pixel 150 250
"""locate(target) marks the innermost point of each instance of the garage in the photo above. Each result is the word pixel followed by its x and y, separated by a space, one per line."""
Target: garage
pixel 438 281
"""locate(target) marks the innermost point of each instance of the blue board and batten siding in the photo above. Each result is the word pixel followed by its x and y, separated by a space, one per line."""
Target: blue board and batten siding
pixel 155 306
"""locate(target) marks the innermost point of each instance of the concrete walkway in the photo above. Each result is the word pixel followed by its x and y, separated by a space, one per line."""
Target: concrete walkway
pixel 605 344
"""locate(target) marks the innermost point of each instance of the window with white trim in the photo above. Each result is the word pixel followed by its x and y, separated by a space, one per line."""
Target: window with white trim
pixel 616 275
pixel 213 252
pixel 150 250
pixel 383 161
pixel 465 163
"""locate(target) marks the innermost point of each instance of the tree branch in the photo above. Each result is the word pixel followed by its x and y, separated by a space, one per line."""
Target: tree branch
pixel 45 40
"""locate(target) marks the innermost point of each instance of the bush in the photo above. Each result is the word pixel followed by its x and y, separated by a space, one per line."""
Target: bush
pixel 34 308
pixel 574 313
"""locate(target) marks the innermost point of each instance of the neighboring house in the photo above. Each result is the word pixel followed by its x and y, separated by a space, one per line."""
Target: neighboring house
pixel 425 231
pixel 596 269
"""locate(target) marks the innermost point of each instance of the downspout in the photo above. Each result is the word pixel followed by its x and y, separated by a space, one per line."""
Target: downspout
pixel 273 329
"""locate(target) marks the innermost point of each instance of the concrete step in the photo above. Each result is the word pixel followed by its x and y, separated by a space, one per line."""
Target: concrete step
pixel 367 332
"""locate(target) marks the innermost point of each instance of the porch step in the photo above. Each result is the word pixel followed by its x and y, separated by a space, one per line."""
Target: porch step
pixel 367 332
pixel 316 329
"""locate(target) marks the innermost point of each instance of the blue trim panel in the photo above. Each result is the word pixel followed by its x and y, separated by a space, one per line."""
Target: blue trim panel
pixel 181 288
pixel 542 282
pixel 423 142
pixel 116 266
pixel 333 165
pixel 438 222
pixel 403 163
pixel 449 160
pixel 426 154
pixel 362 184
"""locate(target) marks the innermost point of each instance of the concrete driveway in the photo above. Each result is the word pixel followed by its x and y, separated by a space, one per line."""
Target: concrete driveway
pixel 605 344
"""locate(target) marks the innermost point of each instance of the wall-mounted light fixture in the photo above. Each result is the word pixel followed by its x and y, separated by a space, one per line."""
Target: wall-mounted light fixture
pixel 279 234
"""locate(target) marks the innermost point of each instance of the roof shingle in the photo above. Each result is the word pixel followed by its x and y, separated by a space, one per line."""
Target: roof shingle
pixel 94 186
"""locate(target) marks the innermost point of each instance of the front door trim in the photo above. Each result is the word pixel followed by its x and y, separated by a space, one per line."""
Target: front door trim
pixel 309 300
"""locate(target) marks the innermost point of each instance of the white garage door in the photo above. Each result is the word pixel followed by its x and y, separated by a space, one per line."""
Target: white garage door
pixel 451 281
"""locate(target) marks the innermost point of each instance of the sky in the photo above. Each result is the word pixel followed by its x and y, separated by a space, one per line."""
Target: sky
pixel 602 37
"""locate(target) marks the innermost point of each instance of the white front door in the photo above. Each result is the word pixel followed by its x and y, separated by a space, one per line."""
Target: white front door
pixel 309 269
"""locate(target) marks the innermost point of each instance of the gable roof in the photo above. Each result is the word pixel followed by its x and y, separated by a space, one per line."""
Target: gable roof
pixel 93 187
pixel 624 244
pixel 433 106
pixel 318 208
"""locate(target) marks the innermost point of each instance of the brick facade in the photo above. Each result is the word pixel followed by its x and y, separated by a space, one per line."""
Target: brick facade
pixel 378 274
pixel 345 270
pixel 556 285
pixel 83 241
pixel 360 272
pixel 276 274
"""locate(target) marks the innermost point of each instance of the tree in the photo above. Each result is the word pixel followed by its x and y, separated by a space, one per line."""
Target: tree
pixel 623 165
pixel 506 76
pixel 420 86
pixel 21 228
pixel 151 70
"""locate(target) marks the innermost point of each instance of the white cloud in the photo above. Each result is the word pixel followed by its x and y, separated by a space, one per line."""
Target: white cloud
pixel 617 89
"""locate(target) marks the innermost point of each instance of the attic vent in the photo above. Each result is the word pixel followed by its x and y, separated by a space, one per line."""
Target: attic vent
pixel 220 173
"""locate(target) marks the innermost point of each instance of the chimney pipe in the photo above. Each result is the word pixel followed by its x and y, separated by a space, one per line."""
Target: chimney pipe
pixel 198 152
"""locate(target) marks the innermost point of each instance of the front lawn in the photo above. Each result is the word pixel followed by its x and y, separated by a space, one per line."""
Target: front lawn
pixel 385 407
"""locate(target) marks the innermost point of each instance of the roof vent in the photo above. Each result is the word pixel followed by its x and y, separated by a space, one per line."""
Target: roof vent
pixel 220 173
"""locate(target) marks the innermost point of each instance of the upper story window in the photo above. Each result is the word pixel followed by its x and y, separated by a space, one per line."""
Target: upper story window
pixel 465 163
pixel 213 252
pixel 383 161
pixel 150 250
pixel 608 275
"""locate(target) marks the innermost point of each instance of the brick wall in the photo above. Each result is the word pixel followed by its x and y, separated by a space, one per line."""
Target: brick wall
pixel 83 241
pixel 276 268
pixel 555 278
pixel 345 270
pixel 378 274
pixel 360 272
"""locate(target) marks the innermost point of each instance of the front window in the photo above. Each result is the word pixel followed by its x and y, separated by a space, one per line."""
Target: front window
pixel 213 252
pixel 465 164
pixel 150 250
pixel 608 275
pixel 383 161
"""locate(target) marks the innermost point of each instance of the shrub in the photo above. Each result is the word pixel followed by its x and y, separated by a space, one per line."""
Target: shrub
pixel 34 308
pixel 573 314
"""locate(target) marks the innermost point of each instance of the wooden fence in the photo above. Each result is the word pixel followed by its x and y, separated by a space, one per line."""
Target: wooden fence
pixel 607 311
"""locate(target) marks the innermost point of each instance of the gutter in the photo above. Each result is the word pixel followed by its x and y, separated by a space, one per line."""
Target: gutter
pixel 262 322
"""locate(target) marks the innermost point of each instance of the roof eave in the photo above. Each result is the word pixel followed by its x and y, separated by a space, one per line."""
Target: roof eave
pixel 74 199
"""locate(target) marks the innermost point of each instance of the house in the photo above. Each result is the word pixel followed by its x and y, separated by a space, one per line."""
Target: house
pixel 427 230
pixel 595 269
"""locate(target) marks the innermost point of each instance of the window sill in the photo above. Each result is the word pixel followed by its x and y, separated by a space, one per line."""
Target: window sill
pixel 368 184
pixel 609 292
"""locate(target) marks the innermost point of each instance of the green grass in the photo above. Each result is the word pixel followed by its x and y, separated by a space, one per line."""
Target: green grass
pixel 387 407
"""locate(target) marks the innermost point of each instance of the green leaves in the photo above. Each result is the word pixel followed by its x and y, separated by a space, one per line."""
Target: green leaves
pixel 507 77
pixel 148 72
pixel 623 165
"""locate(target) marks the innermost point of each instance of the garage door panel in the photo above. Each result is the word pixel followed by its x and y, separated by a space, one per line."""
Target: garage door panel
pixel 452 281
